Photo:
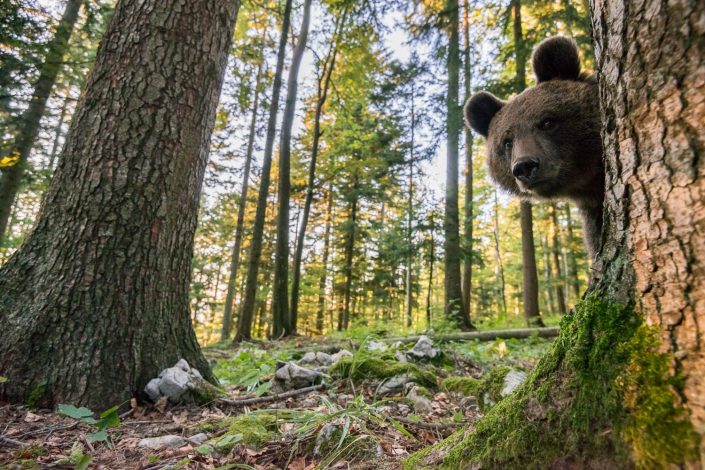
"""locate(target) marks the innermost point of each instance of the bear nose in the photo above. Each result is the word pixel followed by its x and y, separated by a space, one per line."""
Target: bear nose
pixel 525 168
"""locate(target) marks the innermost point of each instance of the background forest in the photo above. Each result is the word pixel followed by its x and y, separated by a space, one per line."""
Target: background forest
pixel 365 140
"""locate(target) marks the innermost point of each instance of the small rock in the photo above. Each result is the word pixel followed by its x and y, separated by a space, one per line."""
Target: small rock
pixel 401 357
pixel 152 389
pixel 183 365
pixel 163 442
pixel 421 403
pixel 423 349
pixel 340 354
pixel 316 359
pixel 404 409
pixel 196 374
pixel 174 382
pixel 512 380
pixel 291 377
pixel 199 438
pixel 324 438
pixel 377 346
pixel 394 384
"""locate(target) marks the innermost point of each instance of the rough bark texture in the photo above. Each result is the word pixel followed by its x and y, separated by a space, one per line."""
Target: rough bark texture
pixel 454 305
pixel 282 324
pixel 247 311
pixel 237 247
pixel 11 178
pixel 528 256
pixel 622 386
pixel 95 303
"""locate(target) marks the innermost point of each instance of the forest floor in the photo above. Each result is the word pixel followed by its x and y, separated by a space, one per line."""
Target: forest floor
pixel 348 422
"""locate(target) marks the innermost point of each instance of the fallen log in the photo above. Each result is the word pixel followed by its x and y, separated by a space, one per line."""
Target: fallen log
pixel 487 335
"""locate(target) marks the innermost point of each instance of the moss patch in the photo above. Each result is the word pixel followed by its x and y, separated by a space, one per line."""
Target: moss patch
pixel 600 398
pixel 487 390
pixel 252 429
pixel 370 367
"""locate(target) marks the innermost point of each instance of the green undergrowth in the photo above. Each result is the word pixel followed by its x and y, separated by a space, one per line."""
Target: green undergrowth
pixel 487 390
pixel 251 429
pixel 365 366
pixel 516 353
pixel 600 398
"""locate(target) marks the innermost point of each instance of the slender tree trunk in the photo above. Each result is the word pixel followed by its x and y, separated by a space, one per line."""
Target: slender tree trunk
pixel 623 385
pixel 409 221
pixel 550 301
pixel 467 262
pixel 499 268
pixel 95 302
pixel 244 325
pixel 454 305
pixel 349 252
pixel 11 177
pixel 58 132
pixel 555 251
pixel 324 262
pixel 431 260
pixel 239 225
pixel 322 96
pixel 282 324
pixel 572 264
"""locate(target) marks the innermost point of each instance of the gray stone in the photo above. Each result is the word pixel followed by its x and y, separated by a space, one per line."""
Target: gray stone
pixel 339 355
pixel 394 384
pixel 401 357
pixel 512 380
pixel 377 346
pixel 316 359
pixel 196 374
pixel 152 389
pixel 199 438
pixel 174 382
pixel 324 439
pixel 291 377
pixel 163 442
pixel 423 349
pixel 183 365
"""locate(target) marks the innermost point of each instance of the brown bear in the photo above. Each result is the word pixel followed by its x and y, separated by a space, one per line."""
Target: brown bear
pixel 545 142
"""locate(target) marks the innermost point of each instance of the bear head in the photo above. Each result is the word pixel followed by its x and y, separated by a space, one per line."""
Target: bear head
pixel 545 142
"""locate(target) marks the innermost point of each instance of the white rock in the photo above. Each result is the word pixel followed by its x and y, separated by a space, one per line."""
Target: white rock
pixel 423 349
pixel 199 438
pixel 152 389
pixel 174 382
pixel 340 354
pixel 421 403
pixel 292 377
pixel 512 380
pixel 163 442
pixel 183 365
pixel 196 374
pixel 377 346
pixel 394 384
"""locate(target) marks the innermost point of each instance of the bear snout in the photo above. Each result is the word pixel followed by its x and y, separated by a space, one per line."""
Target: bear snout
pixel 526 169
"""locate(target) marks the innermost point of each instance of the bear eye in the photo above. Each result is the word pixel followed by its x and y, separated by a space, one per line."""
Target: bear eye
pixel 507 144
pixel 547 124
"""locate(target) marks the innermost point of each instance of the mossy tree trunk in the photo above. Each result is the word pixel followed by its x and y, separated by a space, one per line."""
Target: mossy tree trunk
pixel 95 303
pixel 623 384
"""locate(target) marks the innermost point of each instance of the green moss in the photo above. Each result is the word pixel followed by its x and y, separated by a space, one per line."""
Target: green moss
pixel 464 385
pixel 251 429
pixel 487 390
pixel 370 367
pixel 203 393
pixel 31 451
pixel 600 398
pixel 37 395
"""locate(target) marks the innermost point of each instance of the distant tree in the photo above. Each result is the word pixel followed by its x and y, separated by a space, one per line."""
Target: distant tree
pixel 95 302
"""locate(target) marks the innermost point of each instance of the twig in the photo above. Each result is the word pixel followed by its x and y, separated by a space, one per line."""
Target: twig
pixel 270 398
pixel 11 442
pixel 433 426
pixel 50 429
pixel 137 423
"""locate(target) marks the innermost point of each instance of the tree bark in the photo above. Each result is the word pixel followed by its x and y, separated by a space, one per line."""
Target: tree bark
pixel 622 387
pixel 95 303
pixel 555 252
pixel 349 253
pixel 11 177
pixel 242 204
pixel 324 262
pixel 454 305
pixel 499 269
pixel 467 261
pixel 409 220
pixel 322 95
pixel 244 324
pixel 282 322
pixel 572 264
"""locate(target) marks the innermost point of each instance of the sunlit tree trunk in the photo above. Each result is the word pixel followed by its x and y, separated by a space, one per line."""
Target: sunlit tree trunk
pixel 555 252
pixel 95 303
pixel 351 229
pixel 571 262
pixel 282 323
pixel 324 262
pixel 247 310
pixel 468 245
pixel 242 204
pixel 28 129
pixel 410 215
pixel 499 267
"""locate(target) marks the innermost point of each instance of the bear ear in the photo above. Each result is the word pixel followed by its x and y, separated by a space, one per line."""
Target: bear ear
pixel 556 58
pixel 479 111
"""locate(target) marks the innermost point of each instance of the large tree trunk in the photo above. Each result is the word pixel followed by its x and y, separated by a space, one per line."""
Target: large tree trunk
pixel 454 305
pixel 282 324
pixel 11 177
pixel 247 311
pixel 239 225
pixel 622 386
pixel 324 81
pixel 95 303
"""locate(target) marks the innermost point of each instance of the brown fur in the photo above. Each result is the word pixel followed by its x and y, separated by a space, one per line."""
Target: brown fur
pixel 556 126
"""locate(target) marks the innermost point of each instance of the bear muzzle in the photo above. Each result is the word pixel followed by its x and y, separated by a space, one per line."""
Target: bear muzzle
pixel 526 170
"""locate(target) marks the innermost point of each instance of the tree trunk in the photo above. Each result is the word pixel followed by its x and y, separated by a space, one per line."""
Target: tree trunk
pixel 499 269
pixel 528 256
pixel 555 251
pixel 322 96
pixel 467 262
pixel 58 132
pixel 239 225
pixel 11 177
pixel 324 263
pixel 95 303
pixel 550 301
pixel 244 324
pixel 349 252
pixel 282 324
pixel 454 305
pixel 622 387
pixel 409 221
pixel 572 264
pixel 431 260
